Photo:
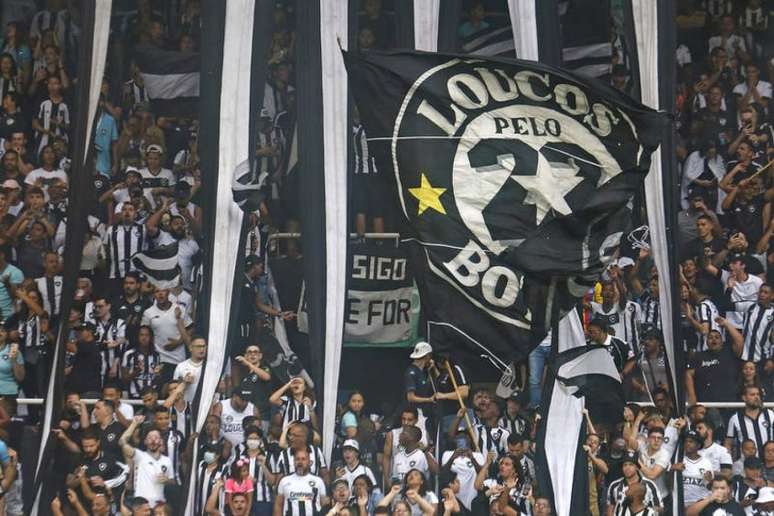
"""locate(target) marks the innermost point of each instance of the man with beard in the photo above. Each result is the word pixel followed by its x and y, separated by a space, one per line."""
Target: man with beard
pixel 99 469
pixel 717 454
pixel 300 493
pixel 152 469
pixel 130 305
pixel 752 422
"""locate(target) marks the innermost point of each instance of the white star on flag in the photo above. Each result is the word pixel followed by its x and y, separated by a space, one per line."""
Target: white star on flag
pixel 548 187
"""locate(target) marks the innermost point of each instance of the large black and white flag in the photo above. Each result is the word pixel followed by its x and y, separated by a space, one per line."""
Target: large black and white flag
pixel 579 377
pixel 513 176
pixel 168 74
pixel 160 265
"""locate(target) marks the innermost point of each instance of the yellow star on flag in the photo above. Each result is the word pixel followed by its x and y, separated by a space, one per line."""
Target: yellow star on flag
pixel 428 196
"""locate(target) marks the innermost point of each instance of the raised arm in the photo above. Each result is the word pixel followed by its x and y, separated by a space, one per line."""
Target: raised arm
pixel 126 448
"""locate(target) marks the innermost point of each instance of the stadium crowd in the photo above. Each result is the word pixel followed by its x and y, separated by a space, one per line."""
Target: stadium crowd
pixel 134 348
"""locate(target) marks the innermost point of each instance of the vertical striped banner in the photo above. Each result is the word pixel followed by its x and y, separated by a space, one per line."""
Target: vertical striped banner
pixel 95 26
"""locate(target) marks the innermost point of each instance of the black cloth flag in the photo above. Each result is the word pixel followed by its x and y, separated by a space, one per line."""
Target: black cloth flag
pixel 514 178
pixel 168 74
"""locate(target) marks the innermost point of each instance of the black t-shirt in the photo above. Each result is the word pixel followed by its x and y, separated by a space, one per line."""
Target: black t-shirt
pixel 415 380
pixel 261 390
pixel 714 124
pixel 108 440
pixel 130 312
pixel 103 466
pixel 87 365
pixel 714 375
pixel 747 217
pixel 701 250
pixel 731 508
pixel 248 295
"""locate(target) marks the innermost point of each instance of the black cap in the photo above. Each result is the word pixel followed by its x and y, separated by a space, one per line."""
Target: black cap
pixel 183 186
pixel 631 456
pixel 243 393
pixel 753 463
pixel 85 325
pixel 599 321
pixel 619 70
pixel 695 193
pixel 695 436
pixel 253 260
pixel 741 257
pixel 650 331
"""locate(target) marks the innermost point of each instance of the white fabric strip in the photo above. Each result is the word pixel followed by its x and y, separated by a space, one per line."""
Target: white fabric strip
pixel 234 136
pixel 563 423
pixel 646 30
pixel 334 23
pixel 524 24
pixel 172 85
pixel 426 14
pixel 99 51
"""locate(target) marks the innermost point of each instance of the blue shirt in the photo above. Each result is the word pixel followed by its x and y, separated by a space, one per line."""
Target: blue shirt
pixel 8 385
pixel 105 134
pixel 6 302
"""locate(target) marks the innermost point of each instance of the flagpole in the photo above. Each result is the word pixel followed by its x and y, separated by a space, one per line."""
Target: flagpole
pixel 462 405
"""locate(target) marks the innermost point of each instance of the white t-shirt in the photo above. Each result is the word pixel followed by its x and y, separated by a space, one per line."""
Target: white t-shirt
pixel 743 295
pixel 231 421
pixel 146 474
pixel 717 455
pixel 763 87
pixel 430 497
pixel 466 473
pixel 126 410
pixel 182 369
pixel 164 179
pixel 47 177
pixel 660 458
pixel 302 494
pixel 360 469
pixel 403 463
pixel 164 325
pixel 694 483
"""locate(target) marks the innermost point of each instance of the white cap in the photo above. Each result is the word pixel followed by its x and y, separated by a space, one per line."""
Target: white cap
pixel 154 148
pixel 765 495
pixel 421 349
pixel 351 443
pixel 11 184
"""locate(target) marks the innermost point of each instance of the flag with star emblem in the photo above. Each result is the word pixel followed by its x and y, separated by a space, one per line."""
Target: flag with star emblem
pixel 514 179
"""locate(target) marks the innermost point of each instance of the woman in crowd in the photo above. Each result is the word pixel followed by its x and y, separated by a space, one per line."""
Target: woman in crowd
pixel 11 366
pixel 507 489
pixel 352 415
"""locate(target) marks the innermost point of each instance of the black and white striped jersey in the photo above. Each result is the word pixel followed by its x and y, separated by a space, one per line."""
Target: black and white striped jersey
pixel 205 481
pixel 294 410
pixel 121 242
pixel 50 289
pixel 624 321
pixel 616 494
pixel 364 160
pixel 286 466
pixel 742 427
pixel 757 334
pixel 145 365
pixel 707 312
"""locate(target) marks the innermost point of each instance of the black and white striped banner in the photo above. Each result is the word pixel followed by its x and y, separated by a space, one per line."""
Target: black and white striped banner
pixel 95 26
pixel 160 265
pixel 168 74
